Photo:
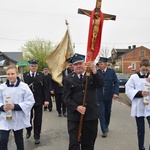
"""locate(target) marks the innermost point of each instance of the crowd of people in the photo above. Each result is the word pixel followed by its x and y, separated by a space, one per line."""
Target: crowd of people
pixel 33 95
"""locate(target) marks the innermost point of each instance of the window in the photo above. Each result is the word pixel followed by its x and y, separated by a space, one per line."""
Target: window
pixel 142 54
pixel 133 64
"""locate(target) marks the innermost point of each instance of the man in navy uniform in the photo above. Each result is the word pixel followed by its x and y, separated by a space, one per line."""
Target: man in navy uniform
pixel 68 70
pixel 37 83
pixel 60 105
pixel 49 82
pixel 106 93
pixel 65 73
pixel 73 94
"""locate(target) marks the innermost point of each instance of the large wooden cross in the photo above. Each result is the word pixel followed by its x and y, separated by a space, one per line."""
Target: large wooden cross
pixel 96 26
pixel 94 40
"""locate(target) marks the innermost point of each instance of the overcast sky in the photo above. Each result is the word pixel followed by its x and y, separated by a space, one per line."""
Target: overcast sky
pixel 23 20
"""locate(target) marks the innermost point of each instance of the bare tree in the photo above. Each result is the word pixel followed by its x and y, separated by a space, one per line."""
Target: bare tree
pixel 104 52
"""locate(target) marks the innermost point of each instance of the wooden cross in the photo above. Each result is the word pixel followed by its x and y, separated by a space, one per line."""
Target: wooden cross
pixel 97 9
pixel 94 40
pixel 97 20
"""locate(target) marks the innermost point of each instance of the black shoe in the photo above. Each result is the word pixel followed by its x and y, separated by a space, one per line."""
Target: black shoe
pixel 50 110
pixel 45 109
pixel 28 134
pixel 59 115
pixel 37 141
pixel 104 135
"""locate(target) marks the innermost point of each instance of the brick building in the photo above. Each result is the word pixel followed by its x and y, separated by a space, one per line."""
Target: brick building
pixel 128 60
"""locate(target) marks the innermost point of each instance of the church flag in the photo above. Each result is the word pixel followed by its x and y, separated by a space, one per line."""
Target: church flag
pixel 56 61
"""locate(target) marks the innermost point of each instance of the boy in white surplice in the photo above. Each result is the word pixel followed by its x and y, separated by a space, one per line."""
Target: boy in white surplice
pixel 20 105
pixel 138 91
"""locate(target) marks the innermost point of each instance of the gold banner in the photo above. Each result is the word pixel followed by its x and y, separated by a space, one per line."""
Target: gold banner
pixel 56 61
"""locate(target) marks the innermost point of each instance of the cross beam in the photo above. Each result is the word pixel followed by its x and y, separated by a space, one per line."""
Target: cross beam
pixel 97 9
pixel 88 13
pixel 96 20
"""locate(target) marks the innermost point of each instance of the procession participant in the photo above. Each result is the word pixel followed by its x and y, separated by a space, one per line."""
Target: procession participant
pixel 68 70
pixel 49 82
pixel 65 73
pixel 38 85
pixel 16 101
pixel 106 94
pixel 60 105
pixel 73 94
pixel 137 89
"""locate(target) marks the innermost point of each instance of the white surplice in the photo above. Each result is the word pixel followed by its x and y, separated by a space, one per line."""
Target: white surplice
pixel 22 96
pixel 134 85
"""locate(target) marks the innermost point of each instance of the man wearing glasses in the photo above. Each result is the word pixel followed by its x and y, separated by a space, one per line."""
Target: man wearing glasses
pixel 38 85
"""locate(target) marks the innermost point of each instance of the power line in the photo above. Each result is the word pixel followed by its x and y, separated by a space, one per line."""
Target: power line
pixel 121 43
pixel 7 39
pixel 60 14
pixel 23 40
pixel 23 12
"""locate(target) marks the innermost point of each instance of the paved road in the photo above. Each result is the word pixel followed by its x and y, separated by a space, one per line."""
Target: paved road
pixel 122 134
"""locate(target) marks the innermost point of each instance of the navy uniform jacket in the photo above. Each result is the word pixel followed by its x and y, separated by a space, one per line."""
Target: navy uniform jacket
pixel 111 85
pixel 49 81
pixel 49 84
pixel 56 87
pixel 38 86
pixel 65 73
pixel 73 93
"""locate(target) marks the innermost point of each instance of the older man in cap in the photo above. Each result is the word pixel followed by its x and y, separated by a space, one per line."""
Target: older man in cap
pixel 38 85
pixel 107 93
pixel 73 93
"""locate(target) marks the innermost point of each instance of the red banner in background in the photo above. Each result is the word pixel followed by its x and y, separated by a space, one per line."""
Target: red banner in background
pixel 92 54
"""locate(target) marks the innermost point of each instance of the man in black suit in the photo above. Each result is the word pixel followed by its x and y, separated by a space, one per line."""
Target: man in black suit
pixel 65 73
pixel 60 105
pixel 73 94
pixel 49 82
pixel 37 83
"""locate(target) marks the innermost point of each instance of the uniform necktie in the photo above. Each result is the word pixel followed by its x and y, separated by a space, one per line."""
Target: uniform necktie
pixel 81 77
pixel 103 73
pixel 32 75
pixel 11 85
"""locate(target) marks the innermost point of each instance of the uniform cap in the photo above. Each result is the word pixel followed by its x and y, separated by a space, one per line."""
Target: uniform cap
pixel 45 67
pixel 33 62
pixel 103 59
pixel 69 60
pixel 78 58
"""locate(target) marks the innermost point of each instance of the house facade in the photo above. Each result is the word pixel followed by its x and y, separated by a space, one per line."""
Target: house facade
pixel 128 60
pixel 9 58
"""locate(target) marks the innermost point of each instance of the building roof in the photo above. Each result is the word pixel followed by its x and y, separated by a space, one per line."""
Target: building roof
pixel 14 56
pixel 121 52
